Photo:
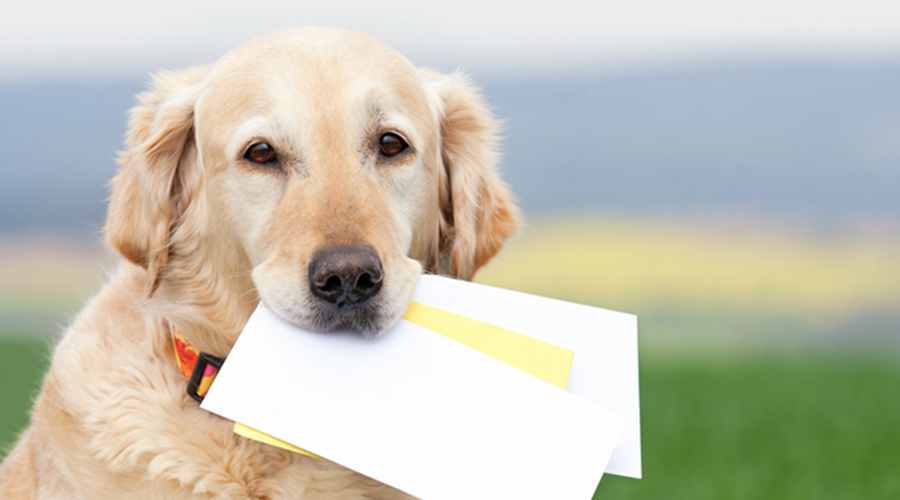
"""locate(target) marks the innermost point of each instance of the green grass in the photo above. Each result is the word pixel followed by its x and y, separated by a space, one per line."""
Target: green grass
pixel 786 426
pixel 22 366
pixel 758 426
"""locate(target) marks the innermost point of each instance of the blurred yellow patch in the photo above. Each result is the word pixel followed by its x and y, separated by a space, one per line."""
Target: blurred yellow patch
pixel 633 264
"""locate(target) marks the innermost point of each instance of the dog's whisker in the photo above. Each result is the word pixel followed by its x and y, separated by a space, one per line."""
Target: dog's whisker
pixel 251 290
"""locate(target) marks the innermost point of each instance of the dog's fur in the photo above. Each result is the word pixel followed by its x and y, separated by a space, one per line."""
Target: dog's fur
pixel 206 235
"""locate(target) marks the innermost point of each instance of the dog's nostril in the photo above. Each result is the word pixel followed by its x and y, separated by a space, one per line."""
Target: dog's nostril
pixel 366 281
pixel 332 283
pixel 345 276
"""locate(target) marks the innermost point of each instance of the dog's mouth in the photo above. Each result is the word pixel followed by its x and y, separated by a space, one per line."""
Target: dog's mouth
pixel 369 320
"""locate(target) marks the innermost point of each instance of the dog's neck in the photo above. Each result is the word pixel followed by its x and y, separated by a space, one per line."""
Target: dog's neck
pixel 208 327
pixel 209 311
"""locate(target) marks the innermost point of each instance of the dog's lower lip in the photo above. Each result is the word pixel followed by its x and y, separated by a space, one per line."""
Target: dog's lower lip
pixel 348 303
pixel 367 319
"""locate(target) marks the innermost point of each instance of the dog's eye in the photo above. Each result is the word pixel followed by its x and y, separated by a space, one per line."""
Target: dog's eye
pixel 261 153
pixel 392 144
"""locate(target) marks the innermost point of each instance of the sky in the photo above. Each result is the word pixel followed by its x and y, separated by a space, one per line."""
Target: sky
pixel 98 39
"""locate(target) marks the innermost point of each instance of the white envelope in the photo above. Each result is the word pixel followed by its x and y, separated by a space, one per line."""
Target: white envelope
pixel 417 411
pixel 605 367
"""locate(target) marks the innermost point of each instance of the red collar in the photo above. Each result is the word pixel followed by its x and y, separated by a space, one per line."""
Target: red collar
pixel 198 367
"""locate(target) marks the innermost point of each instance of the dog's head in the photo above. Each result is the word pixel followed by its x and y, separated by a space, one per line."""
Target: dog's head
pixel 314 169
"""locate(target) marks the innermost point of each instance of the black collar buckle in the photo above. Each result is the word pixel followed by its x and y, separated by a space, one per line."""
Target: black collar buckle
pixel 203 360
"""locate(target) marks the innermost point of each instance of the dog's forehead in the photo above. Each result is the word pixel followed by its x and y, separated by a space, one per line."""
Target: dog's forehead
pixel 313 68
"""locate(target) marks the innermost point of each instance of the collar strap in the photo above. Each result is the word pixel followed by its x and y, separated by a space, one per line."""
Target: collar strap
pixel 199 368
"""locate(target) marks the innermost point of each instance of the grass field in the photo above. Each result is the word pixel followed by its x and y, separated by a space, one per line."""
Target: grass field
pixel 777 426
pixel 768 427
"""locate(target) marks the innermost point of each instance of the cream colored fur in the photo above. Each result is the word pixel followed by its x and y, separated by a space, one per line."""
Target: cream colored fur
pixel 206 235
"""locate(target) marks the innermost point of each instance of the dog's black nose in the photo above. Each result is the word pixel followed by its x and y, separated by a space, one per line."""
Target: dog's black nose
pixel 346 276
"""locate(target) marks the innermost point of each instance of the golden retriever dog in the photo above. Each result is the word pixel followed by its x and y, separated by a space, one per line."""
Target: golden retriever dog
pixel 316 170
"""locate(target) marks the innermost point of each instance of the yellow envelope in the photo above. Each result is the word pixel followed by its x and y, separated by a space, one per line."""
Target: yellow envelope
pixel 541 359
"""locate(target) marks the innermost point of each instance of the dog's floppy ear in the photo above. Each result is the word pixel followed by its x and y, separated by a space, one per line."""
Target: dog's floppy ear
pixel 156 180
pixel 477 208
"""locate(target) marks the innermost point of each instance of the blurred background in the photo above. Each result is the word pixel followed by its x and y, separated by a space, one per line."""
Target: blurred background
pixel 728 171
